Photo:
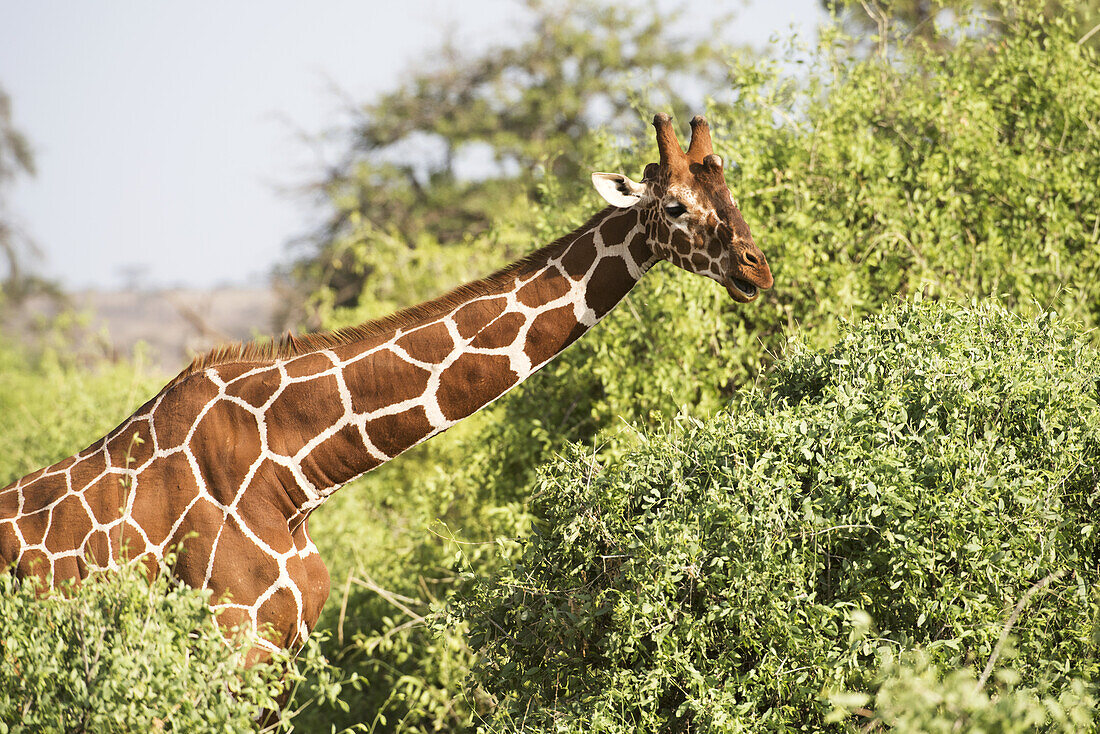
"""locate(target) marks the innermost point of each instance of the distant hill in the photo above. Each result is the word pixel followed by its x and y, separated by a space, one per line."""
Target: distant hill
pixel 175 324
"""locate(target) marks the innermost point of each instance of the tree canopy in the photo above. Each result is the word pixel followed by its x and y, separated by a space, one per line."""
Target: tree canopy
pixel 16 159
pixel 467 138
pixel 937 22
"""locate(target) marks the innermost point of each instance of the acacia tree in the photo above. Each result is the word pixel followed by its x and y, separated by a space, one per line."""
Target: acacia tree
pixel 927 19
pixel 16 159
pixel 491 120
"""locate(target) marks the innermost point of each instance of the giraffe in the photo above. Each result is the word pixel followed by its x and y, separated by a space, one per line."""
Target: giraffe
pixel 233 455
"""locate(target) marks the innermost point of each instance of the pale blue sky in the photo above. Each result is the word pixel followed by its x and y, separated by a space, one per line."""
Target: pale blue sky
pixel 165 132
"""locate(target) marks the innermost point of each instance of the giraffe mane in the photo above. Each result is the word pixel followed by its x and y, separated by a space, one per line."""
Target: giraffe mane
pixel 295 346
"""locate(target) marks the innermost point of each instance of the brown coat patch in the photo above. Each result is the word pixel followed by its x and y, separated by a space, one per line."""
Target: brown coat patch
pixel 132 447
pixel 225 444
pixel 300 412
pixel 196 535
pixel 231 372
pixel 69 526
pixel 160 495
pixel 308 364
pixel 35 563
pixel 382 379
pixel 106 499
pixel 500 333
pixel 63 464
pixel 240 563
pixel 255 508
pixel 714 248
pixel 256 389
pixel 428 344
pixel 614 280
pixel 83 473
pixel 662 230
pixel 338 458
pixel 472 381
pixel 615 229
pixel 315 581
pixel 98 547
pixel 263 490
pixel 285 480
pixel 33 526
pixel 681 243
pixel 639 248
pixel 393 434
pixel 280 611
pixel 9 544
pixel 547 286
pixel 179 408
pixel 472 317
pixel 580 256
pixel 551 332
pixel 35 475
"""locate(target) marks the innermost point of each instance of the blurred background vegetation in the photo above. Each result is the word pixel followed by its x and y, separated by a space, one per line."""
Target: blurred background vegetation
pixel 945 149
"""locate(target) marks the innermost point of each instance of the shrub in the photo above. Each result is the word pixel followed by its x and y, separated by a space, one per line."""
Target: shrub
pixel 967 170
pixel 914 695
pixel 928 471
pixel 121 653
pixel 53 406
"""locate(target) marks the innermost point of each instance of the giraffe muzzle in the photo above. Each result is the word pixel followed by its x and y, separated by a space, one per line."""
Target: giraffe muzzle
pixel 749 273
pixel 752 276
pixel 742 290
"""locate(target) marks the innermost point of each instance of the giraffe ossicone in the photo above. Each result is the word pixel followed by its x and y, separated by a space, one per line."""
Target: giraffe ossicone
pixel 233 455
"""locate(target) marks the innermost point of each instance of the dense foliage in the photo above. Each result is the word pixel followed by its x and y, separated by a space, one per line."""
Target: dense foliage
pixel 54 405
pixel 933 20
pixel 956 170
pixel 123 654
pixel 963 171
pixel 459 146
pixel 924 475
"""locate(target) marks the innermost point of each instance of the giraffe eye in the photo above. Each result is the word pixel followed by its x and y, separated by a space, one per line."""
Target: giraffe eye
pixel 675 209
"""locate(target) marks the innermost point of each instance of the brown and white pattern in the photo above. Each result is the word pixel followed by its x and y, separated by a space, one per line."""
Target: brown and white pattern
pixel 231 458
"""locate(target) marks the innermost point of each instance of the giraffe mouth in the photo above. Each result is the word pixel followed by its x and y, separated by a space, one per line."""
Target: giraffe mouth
pixel 742 290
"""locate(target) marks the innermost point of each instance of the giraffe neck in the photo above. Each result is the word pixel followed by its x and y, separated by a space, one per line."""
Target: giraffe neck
pixel 237 451
pixel 344 409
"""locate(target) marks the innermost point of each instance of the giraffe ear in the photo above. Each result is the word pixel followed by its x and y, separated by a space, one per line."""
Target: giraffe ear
pixel 617 189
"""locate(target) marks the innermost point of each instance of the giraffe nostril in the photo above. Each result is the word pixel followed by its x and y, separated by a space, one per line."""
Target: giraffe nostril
pixel 750 258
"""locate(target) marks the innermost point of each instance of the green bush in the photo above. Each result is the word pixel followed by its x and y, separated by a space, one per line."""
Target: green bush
pixel 121 653
pixel 968 170
pixel 964 171
pixel 392 567
pixel 914 695
pixel 928 471
pixel 54 406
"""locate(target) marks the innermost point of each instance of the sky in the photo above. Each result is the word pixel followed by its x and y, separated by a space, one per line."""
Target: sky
pixel 169 138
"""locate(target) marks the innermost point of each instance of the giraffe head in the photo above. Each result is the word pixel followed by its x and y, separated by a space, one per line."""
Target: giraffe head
pixel 689 214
